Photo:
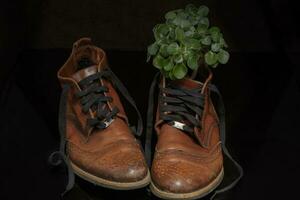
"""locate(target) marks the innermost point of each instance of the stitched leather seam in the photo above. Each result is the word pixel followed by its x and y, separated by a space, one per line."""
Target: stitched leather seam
pixel 211 156
pixel 207 159
pixel 209 134
pixel 106 147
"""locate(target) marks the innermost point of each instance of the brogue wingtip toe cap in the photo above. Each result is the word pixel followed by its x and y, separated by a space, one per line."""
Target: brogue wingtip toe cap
pixel 179 180
pixel 120 166
pixel 120 170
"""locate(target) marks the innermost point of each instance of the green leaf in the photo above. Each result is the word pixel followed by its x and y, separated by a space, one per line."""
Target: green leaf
pixel 192 62
pixel 178 58
pixel 215 36
pixel 158 61
pixel 163 50
pixel 173 48
pixel 171 35
pixel 182 14
pixel 204 21
pixel 206 40
pixel 161 30
pixel 210 58
pixel 215 33
pixel 223 42
pixel 184 23
pixel 170 15
pixel 179 34
pixel 187 53
pixel 191 9
pixel 214 29
pixel 181 20
pixel 203 10
pixel 168 64
pixel 193 20
pixel 190 32
pixel 152 49
pixel 223 56
pixel 180 71
pixel 215 47
pixel 177 21
pixel 170 75
pixel 201 29
pixel 191 43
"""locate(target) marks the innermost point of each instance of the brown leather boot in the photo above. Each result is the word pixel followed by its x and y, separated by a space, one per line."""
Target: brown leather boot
pixel 188 161
pixel 100 147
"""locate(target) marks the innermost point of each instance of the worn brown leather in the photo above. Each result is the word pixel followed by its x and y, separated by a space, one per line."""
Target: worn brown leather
pixel 112 153
pixel 183 163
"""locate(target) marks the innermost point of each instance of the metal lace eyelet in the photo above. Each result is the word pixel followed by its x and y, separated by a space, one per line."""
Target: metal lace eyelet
pixel 108 123
pixel 179 125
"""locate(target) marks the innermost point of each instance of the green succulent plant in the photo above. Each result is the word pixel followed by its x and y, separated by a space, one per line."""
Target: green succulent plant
pixel 184 40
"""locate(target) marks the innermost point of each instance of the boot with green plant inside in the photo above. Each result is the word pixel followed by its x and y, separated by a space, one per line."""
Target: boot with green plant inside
pixel 188 157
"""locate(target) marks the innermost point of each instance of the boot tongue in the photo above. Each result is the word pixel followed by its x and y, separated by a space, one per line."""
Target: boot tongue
pixel 85 72
pixel 79 76
pixel 187 83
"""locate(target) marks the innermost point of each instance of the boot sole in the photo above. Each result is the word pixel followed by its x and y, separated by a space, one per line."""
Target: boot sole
pixel 110 184
pixel 189 196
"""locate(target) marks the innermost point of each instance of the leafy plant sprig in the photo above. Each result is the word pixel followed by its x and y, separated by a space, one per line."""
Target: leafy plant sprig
pixel 184 40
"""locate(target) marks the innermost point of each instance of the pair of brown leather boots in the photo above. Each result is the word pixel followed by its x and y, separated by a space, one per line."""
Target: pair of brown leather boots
pixel 98 144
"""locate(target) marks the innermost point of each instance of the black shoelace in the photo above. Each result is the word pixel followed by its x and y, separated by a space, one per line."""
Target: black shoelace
pixel 179 107
pixel 184 106
pixel 92 97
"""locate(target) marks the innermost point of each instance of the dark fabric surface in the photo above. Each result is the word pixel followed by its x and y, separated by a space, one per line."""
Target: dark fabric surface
pixel 119 24
pixel 260 85
pixel 249 26
pixel 262 129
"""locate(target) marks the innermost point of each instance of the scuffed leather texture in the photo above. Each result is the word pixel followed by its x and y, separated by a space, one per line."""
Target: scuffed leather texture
pixel 183 163
pixel 112 153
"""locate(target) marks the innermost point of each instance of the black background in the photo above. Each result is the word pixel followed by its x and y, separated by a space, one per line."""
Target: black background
pixel 260 86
